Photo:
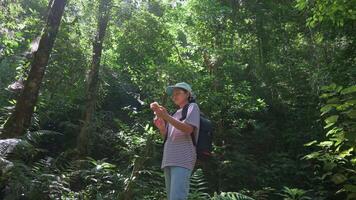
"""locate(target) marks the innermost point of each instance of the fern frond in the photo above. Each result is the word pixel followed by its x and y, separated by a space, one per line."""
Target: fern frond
pixel 230 196
pixel 198 186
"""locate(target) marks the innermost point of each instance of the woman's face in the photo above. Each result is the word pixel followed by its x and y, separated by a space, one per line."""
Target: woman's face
pixel 179 96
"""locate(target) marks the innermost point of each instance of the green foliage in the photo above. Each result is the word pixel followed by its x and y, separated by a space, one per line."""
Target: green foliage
pixel 198 186
pixel 20 24
pixel 144 45
pixel 337 152
pixel 33 174
pixel 294 194
pixel 338 12
pixel 99 179
pixel 257 69
pixel 230 196
pixel 61 177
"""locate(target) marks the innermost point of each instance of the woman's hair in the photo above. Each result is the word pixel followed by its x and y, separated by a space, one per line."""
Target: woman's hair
pixel 191 98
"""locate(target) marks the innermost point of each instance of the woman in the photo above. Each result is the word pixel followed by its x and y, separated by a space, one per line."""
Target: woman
pixel 179 154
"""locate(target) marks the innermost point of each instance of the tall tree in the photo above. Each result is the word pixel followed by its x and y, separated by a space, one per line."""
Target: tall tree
pixel 20 119
pixel 93 77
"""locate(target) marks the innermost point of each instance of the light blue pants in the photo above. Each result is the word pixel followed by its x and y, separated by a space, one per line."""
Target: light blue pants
pixel 177 182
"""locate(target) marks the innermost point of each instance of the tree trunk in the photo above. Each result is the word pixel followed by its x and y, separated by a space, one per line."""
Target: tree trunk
pixel 93 77
pixel 20 119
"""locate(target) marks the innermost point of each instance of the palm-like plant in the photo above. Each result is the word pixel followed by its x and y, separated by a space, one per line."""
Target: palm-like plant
pixel 294 194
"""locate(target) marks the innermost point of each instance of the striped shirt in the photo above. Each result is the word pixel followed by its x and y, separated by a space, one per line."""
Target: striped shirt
pixel 179 149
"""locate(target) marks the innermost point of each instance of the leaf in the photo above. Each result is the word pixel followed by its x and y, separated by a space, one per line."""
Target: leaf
pixel 330 87
pixel 345 153
pixel 301 4
pixel 332 119
pixel 343 107
pixel 310 143
pixel 333 100
pixel 326 144
pixel 349 90
pixel 311 155
pixel 327 95
pixel 338 139
pixel 333 131
pixel 325 109
pixel 328 126
pixel 351 102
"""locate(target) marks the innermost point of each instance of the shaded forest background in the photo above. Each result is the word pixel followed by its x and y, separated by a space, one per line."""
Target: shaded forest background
pixel 277 78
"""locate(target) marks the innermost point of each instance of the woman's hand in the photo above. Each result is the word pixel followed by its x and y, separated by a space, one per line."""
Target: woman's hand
pixel 154 105
pixel 162 113
pixel 159 110
pixel 159 123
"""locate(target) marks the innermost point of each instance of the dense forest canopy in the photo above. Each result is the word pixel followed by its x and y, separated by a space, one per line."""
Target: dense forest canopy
pixel 276 78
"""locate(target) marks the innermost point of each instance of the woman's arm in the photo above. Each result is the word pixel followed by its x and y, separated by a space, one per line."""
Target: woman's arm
pixel 162 113
pixel 186 128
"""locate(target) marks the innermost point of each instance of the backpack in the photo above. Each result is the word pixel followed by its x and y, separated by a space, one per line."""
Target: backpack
pixel 204 144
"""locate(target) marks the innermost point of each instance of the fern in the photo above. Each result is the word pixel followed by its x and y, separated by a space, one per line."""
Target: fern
pixel 230 196
pixel 294 194
pixel 32 174
pixel 37 181
pixel 198 186
pixel 262 194
pixel 41 137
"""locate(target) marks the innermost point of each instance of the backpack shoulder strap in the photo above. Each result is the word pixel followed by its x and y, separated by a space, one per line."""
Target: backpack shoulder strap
pixel 184 112
pixel 184 115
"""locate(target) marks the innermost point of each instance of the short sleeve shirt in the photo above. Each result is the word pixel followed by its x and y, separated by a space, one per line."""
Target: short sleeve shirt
pixel 179 149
